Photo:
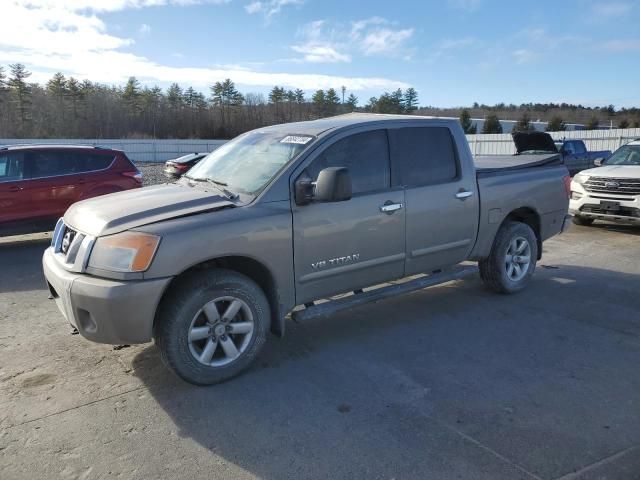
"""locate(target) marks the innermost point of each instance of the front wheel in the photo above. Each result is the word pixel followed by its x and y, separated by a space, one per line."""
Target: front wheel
pixel 212 326
pixel 512 261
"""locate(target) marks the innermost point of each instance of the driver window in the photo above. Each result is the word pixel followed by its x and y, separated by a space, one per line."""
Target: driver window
pixel 366 155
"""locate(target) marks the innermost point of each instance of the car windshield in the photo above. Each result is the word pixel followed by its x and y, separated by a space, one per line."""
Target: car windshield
pixel 247 163
pixel 627 155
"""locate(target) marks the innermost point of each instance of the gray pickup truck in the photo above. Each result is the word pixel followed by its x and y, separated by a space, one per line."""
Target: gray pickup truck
pixel 284 216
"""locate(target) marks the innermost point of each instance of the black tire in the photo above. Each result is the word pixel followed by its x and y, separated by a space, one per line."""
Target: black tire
pixel 584 221
pixel 494 268
pixel 178 310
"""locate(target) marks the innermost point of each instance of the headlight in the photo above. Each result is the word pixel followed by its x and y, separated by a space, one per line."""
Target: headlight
pixel 124 252
pixel 579 178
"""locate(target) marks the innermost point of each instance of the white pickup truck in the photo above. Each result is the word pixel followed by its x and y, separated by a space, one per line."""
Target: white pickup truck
pixel 611 191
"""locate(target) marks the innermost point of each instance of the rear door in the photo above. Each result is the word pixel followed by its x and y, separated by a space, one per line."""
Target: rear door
pixel 348 245
pixel 441 200
pixel 15 203
pixel 93 175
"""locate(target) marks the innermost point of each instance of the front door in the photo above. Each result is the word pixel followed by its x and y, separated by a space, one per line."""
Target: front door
pixel 344 246
pixel 15 204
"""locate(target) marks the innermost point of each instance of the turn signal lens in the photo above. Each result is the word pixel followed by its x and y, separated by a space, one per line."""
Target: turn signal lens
pixel 124 252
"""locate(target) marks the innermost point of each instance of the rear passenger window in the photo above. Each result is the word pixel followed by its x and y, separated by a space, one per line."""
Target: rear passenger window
pixel 51 164
pixel 366 155
pixel 56 163
pixel 579 147
pixel 89 162
pixel 423 156
pixel 11 167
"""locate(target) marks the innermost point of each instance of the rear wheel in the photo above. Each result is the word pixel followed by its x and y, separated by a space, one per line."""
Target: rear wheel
pixel 512 261
pixel 584 221
pixel 212 326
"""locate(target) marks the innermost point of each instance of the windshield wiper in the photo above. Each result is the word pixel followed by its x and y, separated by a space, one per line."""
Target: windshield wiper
pixel 219 185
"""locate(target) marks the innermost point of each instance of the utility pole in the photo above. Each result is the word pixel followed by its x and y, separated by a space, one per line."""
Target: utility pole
pixel 344 89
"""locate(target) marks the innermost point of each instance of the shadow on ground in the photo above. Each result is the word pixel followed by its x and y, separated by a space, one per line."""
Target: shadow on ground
pixel 21 265
pixel 450 382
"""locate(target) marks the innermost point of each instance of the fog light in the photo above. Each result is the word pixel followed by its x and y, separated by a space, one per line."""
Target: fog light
pixel 576 195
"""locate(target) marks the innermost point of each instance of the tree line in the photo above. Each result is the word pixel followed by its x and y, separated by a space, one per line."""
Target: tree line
pixel 65 107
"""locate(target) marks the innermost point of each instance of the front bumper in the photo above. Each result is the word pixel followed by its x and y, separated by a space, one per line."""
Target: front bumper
pixel 590 205
pixel 104 311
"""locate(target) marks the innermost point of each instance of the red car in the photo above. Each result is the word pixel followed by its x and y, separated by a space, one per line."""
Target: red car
pixel 39 182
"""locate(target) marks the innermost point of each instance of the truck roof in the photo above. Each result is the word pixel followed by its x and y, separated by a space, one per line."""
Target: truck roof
pixel 316 127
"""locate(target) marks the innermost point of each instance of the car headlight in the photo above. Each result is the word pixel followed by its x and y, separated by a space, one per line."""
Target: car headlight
pixel 124 252
pixel 580 178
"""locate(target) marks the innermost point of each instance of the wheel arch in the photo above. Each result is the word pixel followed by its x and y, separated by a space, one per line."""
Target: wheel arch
pixel 253 269
pixel 530 217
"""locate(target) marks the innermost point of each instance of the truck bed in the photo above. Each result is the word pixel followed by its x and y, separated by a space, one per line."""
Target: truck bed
pixel 491 164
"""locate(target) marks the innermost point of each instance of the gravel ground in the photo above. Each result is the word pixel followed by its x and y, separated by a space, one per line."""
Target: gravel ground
pixel 447 382
pixel 151 173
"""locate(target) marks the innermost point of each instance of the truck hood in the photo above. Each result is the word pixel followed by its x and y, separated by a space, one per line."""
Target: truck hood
pixel 614 171
pixel 531 141
pixel 117 212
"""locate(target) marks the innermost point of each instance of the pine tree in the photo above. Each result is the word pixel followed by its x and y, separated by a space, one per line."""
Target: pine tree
pixel 299 95
pixel 397 102
pixel 410 100
pixel 624 123
pixel 556 124
pixel 131 96
pixel 319 102
pixel 491 124
pixel 593 123
pixel 468 126
pixel 276 95
pixel 21 91
pixel 523 124
pixel 175 97
pixel 332 101
pixel 352 102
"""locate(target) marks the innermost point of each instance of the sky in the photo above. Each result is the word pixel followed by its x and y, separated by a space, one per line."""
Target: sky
pixel 453 52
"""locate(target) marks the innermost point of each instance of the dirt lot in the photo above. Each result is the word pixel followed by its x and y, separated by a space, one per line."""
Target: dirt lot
pixel 449 382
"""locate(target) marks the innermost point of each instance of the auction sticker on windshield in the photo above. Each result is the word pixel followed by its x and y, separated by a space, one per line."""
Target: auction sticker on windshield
pixel 302 140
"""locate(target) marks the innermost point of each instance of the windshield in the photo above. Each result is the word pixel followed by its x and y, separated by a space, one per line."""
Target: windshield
pixel 247 163
pixel 627 155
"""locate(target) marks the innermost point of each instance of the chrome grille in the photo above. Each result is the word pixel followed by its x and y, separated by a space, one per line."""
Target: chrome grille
pixel 618 186
pixel 71 248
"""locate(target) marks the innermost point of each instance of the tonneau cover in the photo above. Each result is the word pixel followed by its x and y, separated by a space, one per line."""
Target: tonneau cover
pixel 501 163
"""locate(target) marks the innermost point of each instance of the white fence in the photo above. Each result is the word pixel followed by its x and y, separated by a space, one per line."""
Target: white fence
pixel 481 144
pixel 136 150
pixel 502 143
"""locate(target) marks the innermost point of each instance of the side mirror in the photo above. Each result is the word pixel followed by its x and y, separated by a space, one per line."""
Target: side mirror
pixel 598 162
pixel 333 185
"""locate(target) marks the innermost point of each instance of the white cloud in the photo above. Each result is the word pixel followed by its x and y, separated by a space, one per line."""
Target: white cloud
pixel 375 36
pixel 269 8
pixel 144 30
pixel 385 41
pixel 320 53
pixel 523 55
pixel 68 36
pixel 611 9
pixel 621 45
pixel 330 43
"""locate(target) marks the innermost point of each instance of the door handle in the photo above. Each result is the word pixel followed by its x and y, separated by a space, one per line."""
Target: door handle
pixel 15 188
pixel 463 194
pixel 391 207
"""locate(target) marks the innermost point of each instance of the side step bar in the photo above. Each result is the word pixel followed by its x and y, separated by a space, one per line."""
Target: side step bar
pixel 327 309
